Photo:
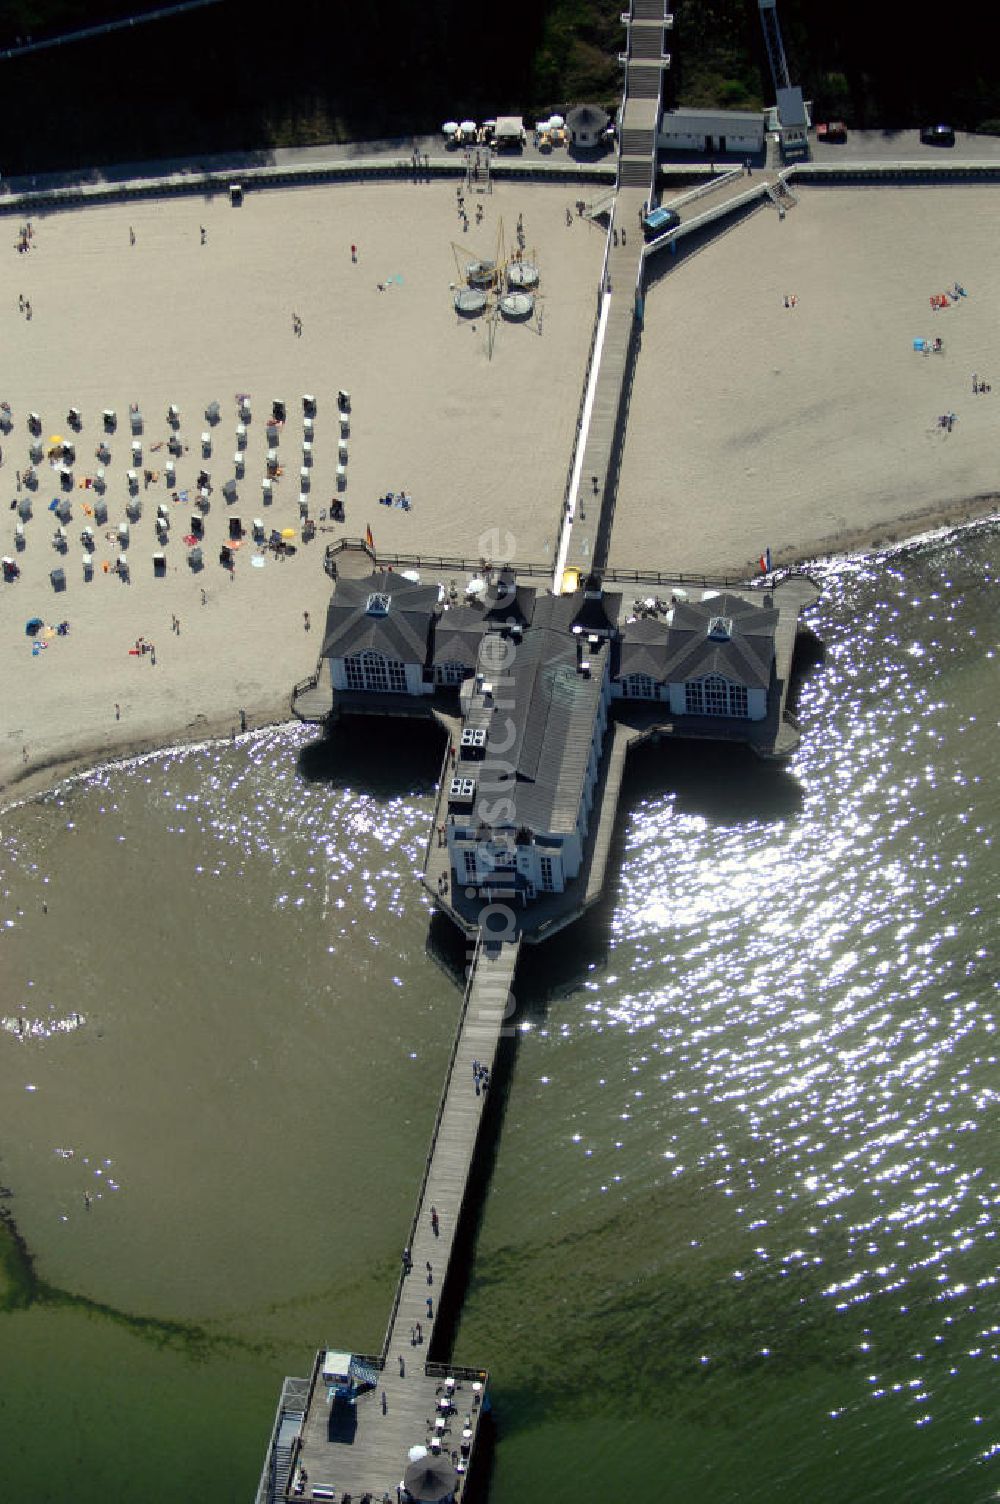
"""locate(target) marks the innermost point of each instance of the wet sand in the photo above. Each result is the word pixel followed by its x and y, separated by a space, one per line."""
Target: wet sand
pixel 480 445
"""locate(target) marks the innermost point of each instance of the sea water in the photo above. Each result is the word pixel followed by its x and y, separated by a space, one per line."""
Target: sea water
pixel 739 1241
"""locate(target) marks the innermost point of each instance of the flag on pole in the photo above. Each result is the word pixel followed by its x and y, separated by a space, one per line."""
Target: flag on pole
pixel 767 555
pixel 763 564
pixel 369 539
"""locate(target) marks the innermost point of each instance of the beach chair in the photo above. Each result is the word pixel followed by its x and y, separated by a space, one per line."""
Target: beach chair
pixel 174 415
pixel 103 453
pixel 174 446
pixel 88 566
pixel 123 535
pixel 122 566
pixel 74 419
pixel 241 436
pixel 36 453
pixel 266 491
pixel 135 419
pixel 159 565
pixel 229 490
pixel 258 529
pixel 60 539
pixel 305 478
pixel 272 435
pixel 239 465
pixel 100 511
pixel 303 506
pixel 345 425
pixel 307 453
pixel 195 559
pixel 344 401
pixel 87 538
pixel 212 413
pixel 206 446
pixel 110 418
pixel 309 405
pixel 136 452
pixel 24 508
pixel 133 481
pixel 58 578
pixel 243 408
pixel 100 483
pixel 34 423
pixel 308 429
pixel 342 452
pixel 170 472
pixel 19 538
pixel 341 477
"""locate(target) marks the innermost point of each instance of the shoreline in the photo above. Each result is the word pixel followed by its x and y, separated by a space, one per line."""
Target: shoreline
pixel 36 779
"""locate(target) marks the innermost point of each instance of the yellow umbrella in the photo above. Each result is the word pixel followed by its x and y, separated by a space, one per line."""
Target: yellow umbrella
pixel 55 438
pixel 288 532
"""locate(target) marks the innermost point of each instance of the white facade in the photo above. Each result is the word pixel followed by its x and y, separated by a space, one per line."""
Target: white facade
pixel 711 131
pixel 372 672
pixel 715 695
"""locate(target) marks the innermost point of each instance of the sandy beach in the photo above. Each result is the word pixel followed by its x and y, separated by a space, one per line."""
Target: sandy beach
pixel 809 428
pixel 480 445
pixel 813 428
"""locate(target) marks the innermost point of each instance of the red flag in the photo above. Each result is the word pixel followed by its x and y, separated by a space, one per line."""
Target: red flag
pixel 369 539
pixel 762 561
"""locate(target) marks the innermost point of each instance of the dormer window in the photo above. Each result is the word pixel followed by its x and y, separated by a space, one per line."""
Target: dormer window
pixel 720 628
pixel 378 604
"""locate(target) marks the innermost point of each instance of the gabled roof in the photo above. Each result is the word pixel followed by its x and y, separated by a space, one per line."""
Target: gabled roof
pixel 744 657
pixel 587 117
pixel 506 600
pixel 457 635
pixel 644 649
pixel 401 631
pixel 544 725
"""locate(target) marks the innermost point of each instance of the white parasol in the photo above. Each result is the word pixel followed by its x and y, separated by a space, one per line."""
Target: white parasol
pixel 450 128
pixel 468 127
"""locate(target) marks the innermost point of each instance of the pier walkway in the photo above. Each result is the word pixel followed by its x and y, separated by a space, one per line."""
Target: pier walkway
pixel 326 1448
pixel 594 463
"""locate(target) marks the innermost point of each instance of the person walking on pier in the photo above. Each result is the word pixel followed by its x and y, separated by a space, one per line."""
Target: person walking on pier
pixel 430 1273
pixel 407 1261
pixel 430 1309
pixel 435 1222
pixel 402 1367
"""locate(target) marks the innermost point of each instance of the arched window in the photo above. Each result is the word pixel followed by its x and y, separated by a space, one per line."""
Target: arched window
pixel 715 695
pixel 371 671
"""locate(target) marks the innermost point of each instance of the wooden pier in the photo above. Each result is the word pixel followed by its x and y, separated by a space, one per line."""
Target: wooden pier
pixel 328 1449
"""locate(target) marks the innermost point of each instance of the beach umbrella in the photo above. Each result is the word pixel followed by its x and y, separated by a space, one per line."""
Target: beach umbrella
pixel 411 574
pixel 430 1478
pixel 468 127
pixel 34 625
pixel 55 438
pixel 556 122
pixel 416 1453
pixel 450 128
pixel 288 532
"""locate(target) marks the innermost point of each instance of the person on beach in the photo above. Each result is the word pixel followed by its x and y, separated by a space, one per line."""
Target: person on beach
pixel 435 1223
pixel 131 235
pixel 204 234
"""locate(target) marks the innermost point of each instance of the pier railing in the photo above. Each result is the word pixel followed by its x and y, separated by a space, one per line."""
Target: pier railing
pixel 433 1143
pixel 424 561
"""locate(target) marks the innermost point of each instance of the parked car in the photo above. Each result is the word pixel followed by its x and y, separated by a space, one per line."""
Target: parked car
pixel 938 135
pixel 659 221
pixel 833 130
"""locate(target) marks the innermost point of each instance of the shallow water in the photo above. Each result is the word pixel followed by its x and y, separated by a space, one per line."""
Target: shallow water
pixel 739 1241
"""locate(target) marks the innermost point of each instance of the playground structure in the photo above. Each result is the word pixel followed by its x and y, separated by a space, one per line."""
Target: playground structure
pixel 501 286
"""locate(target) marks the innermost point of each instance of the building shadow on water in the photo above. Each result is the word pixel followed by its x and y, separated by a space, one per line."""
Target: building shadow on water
pixel 383 757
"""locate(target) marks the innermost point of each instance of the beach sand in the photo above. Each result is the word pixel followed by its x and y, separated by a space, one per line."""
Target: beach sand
pixel 813 429
pixel 481 445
